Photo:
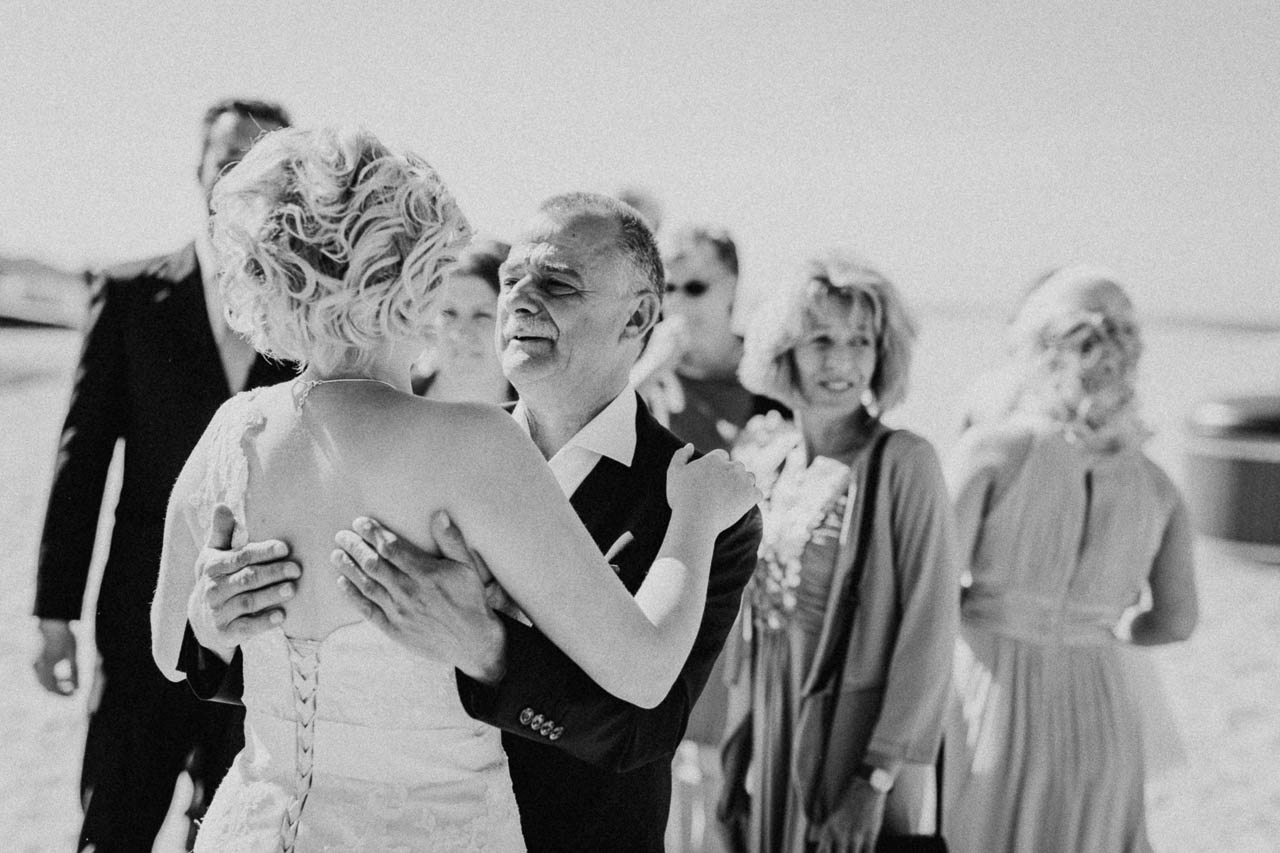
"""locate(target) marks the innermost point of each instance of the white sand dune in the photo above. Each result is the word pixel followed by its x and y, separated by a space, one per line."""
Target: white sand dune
pixel 1223 685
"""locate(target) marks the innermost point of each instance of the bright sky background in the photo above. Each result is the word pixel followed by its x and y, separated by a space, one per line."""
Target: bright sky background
pixel 963 146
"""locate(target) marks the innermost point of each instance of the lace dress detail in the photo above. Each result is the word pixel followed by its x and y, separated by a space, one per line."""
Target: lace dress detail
pixel 226 478
pixel 352 743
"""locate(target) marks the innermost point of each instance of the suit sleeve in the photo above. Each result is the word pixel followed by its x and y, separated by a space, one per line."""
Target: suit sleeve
pixel 209 676
pixel 95 420
pixel 543 686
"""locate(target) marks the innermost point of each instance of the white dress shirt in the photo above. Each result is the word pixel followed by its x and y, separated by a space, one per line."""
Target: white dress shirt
pixel 236 354
pixel 611 433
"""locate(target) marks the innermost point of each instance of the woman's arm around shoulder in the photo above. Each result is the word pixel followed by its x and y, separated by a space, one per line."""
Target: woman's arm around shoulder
pixel 507 504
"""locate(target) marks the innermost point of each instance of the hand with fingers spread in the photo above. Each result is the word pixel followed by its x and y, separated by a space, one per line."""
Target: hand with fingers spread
pixel 437 606
pixel 239 592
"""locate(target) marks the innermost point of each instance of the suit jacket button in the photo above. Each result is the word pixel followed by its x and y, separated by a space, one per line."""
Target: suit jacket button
pixel 546 728
pixel 555 733
pixel 536 722
pixel 525 716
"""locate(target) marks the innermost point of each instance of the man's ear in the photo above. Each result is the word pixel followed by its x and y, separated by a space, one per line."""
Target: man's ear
pixel 644 315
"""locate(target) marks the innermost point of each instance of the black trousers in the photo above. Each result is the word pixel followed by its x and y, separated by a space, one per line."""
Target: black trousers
pixel 144 732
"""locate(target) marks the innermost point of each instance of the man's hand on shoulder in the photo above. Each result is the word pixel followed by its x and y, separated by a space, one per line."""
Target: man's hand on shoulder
pixel 238 592
pixel 436 606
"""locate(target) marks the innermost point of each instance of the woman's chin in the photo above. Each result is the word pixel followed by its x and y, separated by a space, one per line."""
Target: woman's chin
pixel 835 404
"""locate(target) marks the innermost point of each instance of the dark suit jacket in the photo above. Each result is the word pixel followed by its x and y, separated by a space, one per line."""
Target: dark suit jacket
pixel 150 374
pixel 591 772
pixel 604 783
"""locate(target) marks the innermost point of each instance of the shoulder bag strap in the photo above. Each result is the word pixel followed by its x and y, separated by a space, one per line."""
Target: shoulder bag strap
pixel 848 600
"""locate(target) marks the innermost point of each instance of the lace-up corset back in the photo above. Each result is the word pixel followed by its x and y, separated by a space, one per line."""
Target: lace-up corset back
pixel 351 741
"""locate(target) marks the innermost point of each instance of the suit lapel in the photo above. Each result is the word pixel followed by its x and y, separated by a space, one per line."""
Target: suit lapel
pixel 617 501
pixel 190 317
pixel 206 362
pixel 602 499
pixel 189 292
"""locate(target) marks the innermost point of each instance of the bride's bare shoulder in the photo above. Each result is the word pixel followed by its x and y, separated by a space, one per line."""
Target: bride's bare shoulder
pixel 470 434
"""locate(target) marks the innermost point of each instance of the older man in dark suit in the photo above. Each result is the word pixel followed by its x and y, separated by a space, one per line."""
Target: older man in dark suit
pixel 590 771
pixel 158 360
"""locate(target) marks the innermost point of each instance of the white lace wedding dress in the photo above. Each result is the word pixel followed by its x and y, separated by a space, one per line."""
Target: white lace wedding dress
pixel 351 742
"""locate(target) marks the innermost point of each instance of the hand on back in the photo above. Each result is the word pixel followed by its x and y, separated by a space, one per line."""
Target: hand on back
pixel 439 606
pixel 239 592
pixel 713 487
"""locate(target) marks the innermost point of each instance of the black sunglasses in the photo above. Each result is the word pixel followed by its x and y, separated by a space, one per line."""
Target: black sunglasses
pixel 692 288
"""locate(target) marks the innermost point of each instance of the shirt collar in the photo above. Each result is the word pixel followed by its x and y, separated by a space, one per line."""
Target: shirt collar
pixel 611 433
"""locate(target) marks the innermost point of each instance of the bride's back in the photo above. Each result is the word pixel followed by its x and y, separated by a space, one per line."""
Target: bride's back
pixel 320 458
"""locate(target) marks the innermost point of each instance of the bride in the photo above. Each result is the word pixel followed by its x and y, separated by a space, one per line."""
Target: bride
pixel 332 245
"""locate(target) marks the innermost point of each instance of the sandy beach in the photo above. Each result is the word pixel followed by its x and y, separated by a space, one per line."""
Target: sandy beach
pixel 1223 686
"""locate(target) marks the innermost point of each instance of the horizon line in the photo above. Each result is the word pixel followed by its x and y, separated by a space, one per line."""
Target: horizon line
pixel 1225 323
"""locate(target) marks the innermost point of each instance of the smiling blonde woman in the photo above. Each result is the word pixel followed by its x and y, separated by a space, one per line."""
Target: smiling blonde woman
pixel 854 599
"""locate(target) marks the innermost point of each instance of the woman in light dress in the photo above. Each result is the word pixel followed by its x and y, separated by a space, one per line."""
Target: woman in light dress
pixel 1064 522
pixel 836 349
pixel 333 245
pixel 461 363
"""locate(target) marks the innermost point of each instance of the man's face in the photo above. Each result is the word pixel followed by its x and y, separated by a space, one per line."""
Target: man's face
pixel 564 307
pixel 230 137
pixel 700 289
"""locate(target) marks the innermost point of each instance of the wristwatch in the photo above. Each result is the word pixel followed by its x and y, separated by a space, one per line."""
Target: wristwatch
pixel 880 780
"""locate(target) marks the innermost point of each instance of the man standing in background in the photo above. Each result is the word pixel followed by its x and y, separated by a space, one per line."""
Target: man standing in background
pixel 689 377
pixel 688 373
pixel 158 360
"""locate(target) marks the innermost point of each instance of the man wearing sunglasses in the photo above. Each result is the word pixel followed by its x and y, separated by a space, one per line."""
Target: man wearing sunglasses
pixel 688 374
pixel 688 377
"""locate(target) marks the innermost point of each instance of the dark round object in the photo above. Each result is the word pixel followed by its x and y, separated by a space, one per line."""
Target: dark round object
pixel 1233 472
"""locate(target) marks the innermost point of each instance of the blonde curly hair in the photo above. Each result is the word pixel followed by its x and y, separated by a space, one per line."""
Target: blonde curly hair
pixel 768 363
pixel 332 244
pixel 1076 344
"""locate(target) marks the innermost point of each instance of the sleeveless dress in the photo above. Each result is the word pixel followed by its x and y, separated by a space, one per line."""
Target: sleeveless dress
pixel 1044 751
pixel 351 742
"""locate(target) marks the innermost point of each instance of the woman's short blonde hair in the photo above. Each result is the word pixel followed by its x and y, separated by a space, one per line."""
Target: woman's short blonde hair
pixel 331 243
pixel 768 358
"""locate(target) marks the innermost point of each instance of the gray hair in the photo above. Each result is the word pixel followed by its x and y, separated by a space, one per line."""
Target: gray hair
pixel 635 240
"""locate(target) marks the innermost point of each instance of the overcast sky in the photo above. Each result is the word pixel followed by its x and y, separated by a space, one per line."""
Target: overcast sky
pixel 963 146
